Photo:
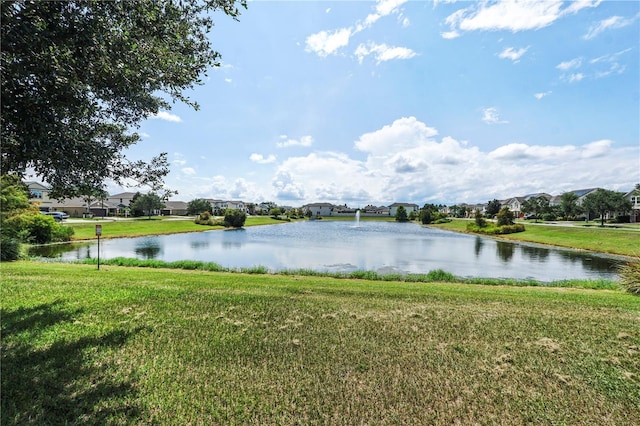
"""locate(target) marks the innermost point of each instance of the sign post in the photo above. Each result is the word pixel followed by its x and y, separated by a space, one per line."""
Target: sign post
pixel 98 233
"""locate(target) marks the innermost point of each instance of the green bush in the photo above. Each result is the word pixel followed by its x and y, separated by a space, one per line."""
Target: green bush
pixel 9 249
pixel 505 217
pixel 205 218
pixel 36 229
pixel 495 230
pixel 442 220
pixel 479 220
pixel 234 218
pixel 630 276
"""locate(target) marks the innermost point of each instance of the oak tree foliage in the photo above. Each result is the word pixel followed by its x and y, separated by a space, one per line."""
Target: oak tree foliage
pixel 78 77
pixel 605 202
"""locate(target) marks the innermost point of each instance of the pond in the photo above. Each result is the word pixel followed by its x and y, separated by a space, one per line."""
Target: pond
pixel 345 246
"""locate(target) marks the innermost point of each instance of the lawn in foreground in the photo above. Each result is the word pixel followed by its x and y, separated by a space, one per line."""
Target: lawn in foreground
pixel 128 345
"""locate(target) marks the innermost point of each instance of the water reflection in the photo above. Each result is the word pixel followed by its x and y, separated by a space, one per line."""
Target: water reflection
pixel 341 247
pixel 233 238
pixel 148 248
pixel 82 250
pixel 199 244
pixel 539 254
pixel 505 250
pixel 477 247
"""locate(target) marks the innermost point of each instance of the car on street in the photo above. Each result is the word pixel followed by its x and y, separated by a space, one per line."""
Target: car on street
pixel 58 216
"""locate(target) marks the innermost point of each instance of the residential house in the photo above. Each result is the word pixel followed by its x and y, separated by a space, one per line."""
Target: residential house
pixel 634 197
pixel 371 210
pixel 514 204
pixel 39 193
pixel 409 207
pixel 581 193
pixel 537 195
pixel 216 205
pixel 174 208
pixel 319 209
pixel 237 205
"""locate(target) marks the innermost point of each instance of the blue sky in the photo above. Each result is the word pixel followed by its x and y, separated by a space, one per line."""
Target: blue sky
pixel 363 102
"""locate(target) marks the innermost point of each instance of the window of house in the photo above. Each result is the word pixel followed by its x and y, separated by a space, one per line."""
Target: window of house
pixel 36 194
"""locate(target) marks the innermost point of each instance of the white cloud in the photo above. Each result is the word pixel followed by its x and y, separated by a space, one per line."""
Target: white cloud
pixel 576 77
pixel 383 52
pixel 407 161
pixel 285 186
pixel 303 141
pixel 164 115
pixel 324 43
pixel 490 116
pixel 572 64
pixel 401 134
pixel 519 151
pixel 613 22
pixel 383 8
pixel 260 159
pixel 450 35
pixel 189 171
pixel 511 53
pixel 541 95
pixel 228 80
pixel 512 15
pixel 612 57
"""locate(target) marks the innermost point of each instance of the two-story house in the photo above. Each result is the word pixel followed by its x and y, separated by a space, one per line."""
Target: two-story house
pixel 634 197
pixel 409 207
pixel 319 209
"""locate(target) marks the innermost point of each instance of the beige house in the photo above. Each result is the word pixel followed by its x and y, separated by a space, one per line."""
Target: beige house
pixel 39 194
pixel 174 208
pixel 319 209
pixel 634 197
pixel 409 207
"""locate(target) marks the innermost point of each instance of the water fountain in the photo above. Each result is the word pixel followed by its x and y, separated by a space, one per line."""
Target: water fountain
pixel 358 218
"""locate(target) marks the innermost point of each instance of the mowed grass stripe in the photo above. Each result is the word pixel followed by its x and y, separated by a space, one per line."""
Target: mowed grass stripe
pixel 128 345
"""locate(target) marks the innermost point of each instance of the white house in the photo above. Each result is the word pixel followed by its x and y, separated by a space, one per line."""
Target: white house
pixel 319 209
pixel 409 207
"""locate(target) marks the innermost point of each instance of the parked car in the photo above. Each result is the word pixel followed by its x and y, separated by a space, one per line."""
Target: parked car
pixel 58 216
pixel 530 216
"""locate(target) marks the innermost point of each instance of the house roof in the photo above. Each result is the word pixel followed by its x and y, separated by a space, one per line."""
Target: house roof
pixel 127 195
pixel 403 204
pixel 319 205
pixel 37 185
pixel 537 195
pixel 583 192
pixel 175 205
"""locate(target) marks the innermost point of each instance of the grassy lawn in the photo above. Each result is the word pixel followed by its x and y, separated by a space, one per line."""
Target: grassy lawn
pixel 155 226
pixel 606 240
pixel 129 346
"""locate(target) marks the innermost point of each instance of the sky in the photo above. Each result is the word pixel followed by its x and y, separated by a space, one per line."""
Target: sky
pixel 376 102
